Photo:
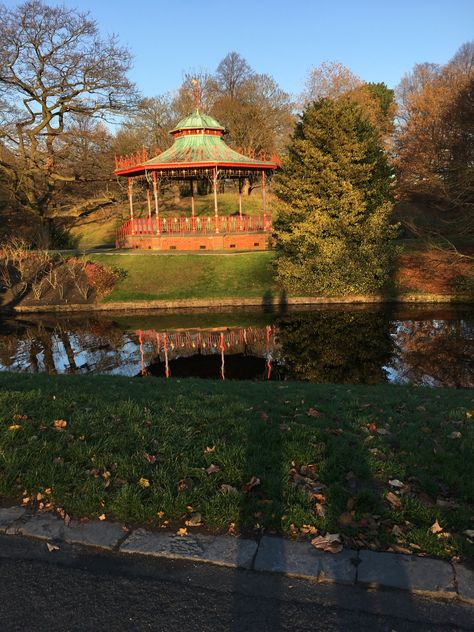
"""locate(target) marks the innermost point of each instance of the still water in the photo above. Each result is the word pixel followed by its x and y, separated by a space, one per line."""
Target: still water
pixel 416 345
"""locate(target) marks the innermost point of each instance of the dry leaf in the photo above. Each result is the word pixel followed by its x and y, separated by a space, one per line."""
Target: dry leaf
pixel 144 482
pixel 469 533
pixel 394 482
pixel 182 531
pixel 394 500
pixel 212 469
pixel 228 489
pixel 14 427
pixel 455 435
pixel 436 528
pixel 194 520
pixel 52 547
pixel 253 482
pixel 208 450
pixel 185 484
pixel 102 517
pixel 67 520
pixel 397 531
pixel 59 424
pixel 151 458
pixel 331 543
pixel 345 519
pixel 372 427
pixel 160 514
pixel 312 412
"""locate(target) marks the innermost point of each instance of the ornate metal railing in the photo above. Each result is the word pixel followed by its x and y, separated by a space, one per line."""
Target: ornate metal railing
pixel 193 225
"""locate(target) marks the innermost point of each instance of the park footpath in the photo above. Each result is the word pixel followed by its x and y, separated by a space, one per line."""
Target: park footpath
pixel 430 577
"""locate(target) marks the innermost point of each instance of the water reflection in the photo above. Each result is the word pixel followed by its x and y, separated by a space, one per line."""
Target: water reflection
pixel 433 347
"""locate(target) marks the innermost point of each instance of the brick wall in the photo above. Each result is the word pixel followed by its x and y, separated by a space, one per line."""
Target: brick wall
pixel 224 241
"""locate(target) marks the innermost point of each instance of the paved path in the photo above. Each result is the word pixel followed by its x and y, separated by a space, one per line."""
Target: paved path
pixel 74 589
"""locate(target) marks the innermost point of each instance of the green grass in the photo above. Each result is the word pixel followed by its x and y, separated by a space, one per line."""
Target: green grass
pixel 191 276
pixel 346 450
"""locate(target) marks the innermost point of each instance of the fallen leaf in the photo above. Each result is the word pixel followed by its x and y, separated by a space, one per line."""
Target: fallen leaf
pixel 182 532
pixel 14 427
pixel 394 500
pixel 469 533
pixel 52 547
pixel 228 489
pixel 468 414
pixel 144 482
pixel 331 543
pixel 151 458
pixel 345 519
pixel 396 548
pixel 319 510
pixel 194 520
pixel 308 529
pixel 102 517
pixel 436 528
pixel 396 531
pixel 394 482
pixel 312 412
pixel 264 415
pixel 383 431
pixel 67 520
pixel 253 482
pixel 160 514
pixel 212 469
pixel 60 424
pixel 185 484
pixel 455 435
pixel 208 450
pixel 372 428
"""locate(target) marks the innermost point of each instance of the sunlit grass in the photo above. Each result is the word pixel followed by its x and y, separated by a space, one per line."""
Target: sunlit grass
pixel 354 440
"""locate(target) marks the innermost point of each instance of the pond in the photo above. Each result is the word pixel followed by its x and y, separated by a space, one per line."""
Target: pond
pixel 422 345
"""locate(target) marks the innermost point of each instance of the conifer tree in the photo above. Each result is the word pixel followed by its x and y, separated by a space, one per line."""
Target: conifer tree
pixel 333 232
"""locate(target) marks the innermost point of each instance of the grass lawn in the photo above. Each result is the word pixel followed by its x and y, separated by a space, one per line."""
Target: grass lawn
pixel 191 276
pixel 291 458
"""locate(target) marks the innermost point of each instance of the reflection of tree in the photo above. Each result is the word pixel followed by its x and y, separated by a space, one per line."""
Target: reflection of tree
pixel 70 345
pixel 336 347
pixel 435 352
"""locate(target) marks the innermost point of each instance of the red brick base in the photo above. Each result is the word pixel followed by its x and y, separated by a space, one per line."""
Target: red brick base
pixel 224 241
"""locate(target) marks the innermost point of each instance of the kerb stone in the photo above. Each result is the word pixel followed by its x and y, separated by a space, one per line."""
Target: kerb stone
pixel 407 572
pixel 41 526
pixel 8 515
pixel 225 551
pixel 104 535
pixel 465 582
pixel 300 559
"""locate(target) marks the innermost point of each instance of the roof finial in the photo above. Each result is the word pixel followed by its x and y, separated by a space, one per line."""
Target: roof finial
pixel 197 96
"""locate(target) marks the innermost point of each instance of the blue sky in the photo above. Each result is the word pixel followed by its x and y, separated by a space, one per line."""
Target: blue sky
pixel 376 39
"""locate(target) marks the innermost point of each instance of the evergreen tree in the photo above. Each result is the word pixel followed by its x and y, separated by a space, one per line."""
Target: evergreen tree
pixel 333 231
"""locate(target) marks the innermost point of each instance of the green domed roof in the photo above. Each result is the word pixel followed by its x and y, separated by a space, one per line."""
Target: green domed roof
pixel 196 120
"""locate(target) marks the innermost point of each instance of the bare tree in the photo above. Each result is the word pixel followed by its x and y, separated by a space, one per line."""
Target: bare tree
pixel 232 73
pixel 54 68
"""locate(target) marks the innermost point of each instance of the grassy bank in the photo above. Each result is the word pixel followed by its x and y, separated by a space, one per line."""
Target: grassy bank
pixel 191 276
pixel 281 457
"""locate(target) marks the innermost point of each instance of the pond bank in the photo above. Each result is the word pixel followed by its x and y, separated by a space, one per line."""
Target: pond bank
pixel 265 302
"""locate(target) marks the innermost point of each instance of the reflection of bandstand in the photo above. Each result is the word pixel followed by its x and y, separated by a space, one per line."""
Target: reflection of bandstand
pixel 168 347
pixel 198 153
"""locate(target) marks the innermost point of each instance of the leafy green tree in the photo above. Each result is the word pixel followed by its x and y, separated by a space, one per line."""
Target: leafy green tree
pixel 333 231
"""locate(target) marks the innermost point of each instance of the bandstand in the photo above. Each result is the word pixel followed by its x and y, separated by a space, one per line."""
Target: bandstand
pixel 198 153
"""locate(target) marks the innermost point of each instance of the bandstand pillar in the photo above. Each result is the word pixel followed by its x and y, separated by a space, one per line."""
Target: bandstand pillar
pixel 216 214
pixel 130 199
pixel 155 195
pixel 240 197
pixel 191 182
